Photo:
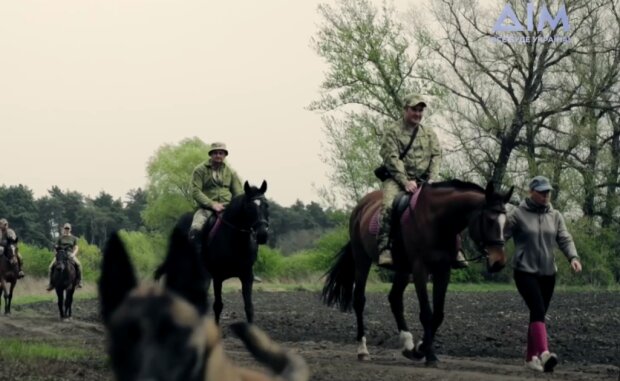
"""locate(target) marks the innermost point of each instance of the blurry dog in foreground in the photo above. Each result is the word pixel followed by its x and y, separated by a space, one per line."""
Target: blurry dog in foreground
pixel 163 334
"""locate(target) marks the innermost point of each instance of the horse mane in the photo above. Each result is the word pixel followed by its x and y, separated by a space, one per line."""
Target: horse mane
pixel 459 185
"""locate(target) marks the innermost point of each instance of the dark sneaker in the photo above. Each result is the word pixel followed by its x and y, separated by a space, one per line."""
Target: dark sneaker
pixel 549 361
pixel 460 262
pixel 79 285
pixel 49 287
pixel 20 274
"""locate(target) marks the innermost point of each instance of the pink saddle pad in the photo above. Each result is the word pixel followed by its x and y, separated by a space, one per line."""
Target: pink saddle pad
pixel 373 227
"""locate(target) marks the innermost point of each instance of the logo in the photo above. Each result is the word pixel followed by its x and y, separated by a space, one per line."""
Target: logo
pixel 544 18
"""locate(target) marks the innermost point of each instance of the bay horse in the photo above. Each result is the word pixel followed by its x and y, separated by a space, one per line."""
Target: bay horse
pixel 64 280
pixel 230 247
pixel 424 244
pixel 8 272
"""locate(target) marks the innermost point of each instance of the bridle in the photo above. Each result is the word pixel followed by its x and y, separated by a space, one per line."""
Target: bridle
pixel 482 243
pixel 260 221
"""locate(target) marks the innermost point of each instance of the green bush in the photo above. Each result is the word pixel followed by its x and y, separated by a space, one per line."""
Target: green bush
pixel 269 262
pixel 147 251
pixel 36 259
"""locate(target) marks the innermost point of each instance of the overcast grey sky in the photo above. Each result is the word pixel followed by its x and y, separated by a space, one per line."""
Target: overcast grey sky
pixel 91 88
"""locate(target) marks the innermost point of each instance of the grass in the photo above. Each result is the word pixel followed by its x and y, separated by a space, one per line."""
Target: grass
pixel 20 350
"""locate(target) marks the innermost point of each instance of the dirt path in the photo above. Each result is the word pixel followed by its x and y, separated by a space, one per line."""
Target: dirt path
pixel 481 339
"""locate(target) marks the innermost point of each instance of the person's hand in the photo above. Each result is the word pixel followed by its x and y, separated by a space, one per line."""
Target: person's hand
pixel 217 207
pixel 575 265
pixel 411 186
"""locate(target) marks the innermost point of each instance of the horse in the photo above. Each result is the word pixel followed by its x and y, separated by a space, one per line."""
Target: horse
pixel 64 280
pixel 230 248
pixel 8 272
pixel 424 244
pixel 163 333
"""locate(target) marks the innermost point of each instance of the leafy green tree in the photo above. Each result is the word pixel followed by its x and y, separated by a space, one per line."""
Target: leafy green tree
pixel 17 205
pixel 168 185
pixel 135 205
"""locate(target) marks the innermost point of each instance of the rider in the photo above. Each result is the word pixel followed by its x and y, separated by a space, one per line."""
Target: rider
pixel 214 184
pixel 5 234
pixel 420 163
pixel 67 242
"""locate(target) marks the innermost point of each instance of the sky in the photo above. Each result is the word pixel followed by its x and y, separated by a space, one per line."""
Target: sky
pixel 89 89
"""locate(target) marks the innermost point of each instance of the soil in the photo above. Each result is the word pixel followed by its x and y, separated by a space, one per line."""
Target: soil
pixel 482 337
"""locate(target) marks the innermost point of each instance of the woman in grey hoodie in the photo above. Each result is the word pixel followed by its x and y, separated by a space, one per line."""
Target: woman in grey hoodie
pixel 537 229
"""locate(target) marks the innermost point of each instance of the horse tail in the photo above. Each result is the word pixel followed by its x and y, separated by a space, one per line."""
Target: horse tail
pixel 288 365
pixel 338 288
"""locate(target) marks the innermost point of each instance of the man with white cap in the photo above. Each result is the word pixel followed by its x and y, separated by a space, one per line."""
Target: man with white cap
pixel 7 234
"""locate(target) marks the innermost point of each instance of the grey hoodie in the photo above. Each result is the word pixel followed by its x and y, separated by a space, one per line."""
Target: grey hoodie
pixel 536 230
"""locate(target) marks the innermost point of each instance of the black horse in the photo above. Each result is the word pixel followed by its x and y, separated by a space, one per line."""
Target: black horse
pixel 64 280
pixel 8 272
pixel 425 244
pixel 230 247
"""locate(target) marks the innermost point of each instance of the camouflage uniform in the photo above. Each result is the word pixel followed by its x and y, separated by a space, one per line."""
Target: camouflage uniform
pixel 421 162
pixel 5 234
pixel 210 185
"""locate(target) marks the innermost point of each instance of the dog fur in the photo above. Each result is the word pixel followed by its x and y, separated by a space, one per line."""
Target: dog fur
pixel 163 334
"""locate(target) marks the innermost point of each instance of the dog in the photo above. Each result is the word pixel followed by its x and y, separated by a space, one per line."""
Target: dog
pixel 163 334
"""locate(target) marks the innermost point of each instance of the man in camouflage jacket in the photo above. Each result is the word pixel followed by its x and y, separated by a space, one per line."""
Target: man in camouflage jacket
pixel 213 185
pixel 420 164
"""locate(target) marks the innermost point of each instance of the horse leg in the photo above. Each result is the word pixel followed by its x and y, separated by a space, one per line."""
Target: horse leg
pixel 2 291
pixel 246 290
pixel 440 287
pixel 69 302
pixel 217 304
pixel 399 284
pixel 61 296
pixel 359 301
pixel 426 318
pixel 10 299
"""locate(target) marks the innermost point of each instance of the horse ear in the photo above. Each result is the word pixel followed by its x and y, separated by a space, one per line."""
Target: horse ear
pixel 263 187
pixel 185 273
pixel 117 276
pixel 246 187
pixel 490 191
pixel 509 194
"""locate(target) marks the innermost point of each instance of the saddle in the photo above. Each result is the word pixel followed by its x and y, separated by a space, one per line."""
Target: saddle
pixel 402 207
pixel 212 226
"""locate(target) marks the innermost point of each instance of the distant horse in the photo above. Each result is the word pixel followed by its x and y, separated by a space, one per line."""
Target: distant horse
pixel 64 280
pixel 8 273
pixel 424 244
pixel 230 247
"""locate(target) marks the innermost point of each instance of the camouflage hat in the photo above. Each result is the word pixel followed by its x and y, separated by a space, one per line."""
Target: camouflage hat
pixel 219 146
pixel 67 226
pixel 3 222
pixel 540 184
pixel 412 100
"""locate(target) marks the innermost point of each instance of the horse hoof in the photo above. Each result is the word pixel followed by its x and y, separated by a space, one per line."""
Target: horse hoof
pixel 412 354
pixel 363 357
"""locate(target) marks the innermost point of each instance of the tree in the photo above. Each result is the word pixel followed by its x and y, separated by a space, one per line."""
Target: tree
pixel 369 74
pixel 168 182
pixel 135 205
pixel 18 207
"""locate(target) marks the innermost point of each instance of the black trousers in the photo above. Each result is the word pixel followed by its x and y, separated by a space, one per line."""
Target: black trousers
pixel 536 291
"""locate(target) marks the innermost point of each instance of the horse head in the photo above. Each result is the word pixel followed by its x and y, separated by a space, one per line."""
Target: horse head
pixel 256 210
pixel 61 258
pixel 487 227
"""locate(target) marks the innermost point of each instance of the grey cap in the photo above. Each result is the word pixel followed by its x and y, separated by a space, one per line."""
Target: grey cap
pixel 67 226
pixel 219 146
pixel 540 184
pixel 412 100
pixel 3 222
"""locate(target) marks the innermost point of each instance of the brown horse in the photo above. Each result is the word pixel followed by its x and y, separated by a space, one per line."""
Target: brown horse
pixel 424 244
pixel 8 273
pixel 64 280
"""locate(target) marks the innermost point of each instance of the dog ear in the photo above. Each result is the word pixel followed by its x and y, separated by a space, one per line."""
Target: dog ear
pixel 117 276
pixel 185 272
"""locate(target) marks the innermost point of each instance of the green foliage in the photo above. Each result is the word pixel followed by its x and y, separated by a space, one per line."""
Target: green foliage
pixel 269 262
pixel 90 257
pixel 168 189
pixel 147 251
pixel 36 259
